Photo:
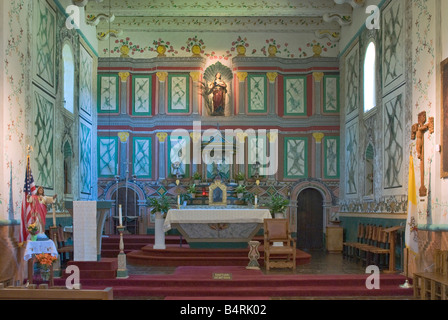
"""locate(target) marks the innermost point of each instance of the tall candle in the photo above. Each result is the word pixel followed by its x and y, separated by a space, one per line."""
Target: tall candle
pixel 178 199
pixel 120 216
pixel 54 216
pixel 256 200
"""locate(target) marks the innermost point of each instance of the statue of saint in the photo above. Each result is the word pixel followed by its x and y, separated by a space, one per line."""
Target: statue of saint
pixel 219 90
pixel 39 204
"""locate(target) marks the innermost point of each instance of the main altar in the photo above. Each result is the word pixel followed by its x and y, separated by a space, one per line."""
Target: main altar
pixel 216 226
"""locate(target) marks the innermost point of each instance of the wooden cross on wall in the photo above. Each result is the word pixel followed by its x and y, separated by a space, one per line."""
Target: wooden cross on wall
pixel 418 133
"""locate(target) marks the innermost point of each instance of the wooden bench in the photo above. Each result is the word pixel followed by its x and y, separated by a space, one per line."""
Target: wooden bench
pixel 433 285
pixel 53 293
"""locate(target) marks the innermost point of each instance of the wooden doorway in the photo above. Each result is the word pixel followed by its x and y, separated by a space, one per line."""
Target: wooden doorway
pixel 310 220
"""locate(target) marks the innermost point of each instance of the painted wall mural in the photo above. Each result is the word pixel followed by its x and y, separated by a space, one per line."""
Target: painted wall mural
pixel 45 45
pixel 178 93
pixel 224 47
pixel 331 94
pixel 394 108
pixel 331 157
pixel 44 139
pixel 142 92
pixel 257 93
pixel 107 157
pixel 295 96
pixel 142 157
pixel 296 158
pixel 393 45
pixel 85 161
pixel 352 80
pixel 108 94
pixel 351 158
pixel 85 81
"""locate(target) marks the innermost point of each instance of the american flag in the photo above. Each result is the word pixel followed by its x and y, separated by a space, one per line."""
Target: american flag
pixel 28 189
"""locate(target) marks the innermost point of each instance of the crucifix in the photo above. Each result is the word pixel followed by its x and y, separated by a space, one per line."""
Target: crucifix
pixel 418 133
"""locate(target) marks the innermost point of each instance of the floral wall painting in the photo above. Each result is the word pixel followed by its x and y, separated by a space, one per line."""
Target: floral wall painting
pixel 444 117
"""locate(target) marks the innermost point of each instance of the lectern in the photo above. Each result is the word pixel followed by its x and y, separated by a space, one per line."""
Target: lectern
pixel 392 233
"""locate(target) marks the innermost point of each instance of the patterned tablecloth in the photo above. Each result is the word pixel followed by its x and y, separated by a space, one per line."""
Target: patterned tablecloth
pixel 215 215
pixel 38 247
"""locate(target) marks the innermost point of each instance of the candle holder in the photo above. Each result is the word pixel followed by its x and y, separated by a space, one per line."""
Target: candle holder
pixel 122 271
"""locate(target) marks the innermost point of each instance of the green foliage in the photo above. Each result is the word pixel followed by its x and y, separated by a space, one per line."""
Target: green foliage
pixel 240 176
pixel 240 189
pixel 277 204
pixel 191 189
pixel 197 176
pixel 159 204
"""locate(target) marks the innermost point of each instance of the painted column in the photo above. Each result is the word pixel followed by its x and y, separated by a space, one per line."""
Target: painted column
pixel 242 92
pixel 318 146
pixel 162 155
pixel 195 138
pixel 318 76
pixel 124 92
pixel 195 77
pixel 123 156
pixel 162 76
pixel 272 76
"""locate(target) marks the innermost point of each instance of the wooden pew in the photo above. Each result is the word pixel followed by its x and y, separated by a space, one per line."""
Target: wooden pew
pixel 433 285
pixel 53 293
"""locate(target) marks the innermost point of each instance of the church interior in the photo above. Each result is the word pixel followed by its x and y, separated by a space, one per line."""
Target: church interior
pixel 153 139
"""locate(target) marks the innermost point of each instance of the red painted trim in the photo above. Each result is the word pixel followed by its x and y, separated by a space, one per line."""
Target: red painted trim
pixel 280 129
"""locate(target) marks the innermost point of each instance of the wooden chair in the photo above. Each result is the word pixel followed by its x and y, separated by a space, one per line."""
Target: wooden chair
pixel 382 249
pixel 276 255
pixel 349 247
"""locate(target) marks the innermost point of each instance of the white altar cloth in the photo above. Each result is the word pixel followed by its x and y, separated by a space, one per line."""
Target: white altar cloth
pixel 38 247
pixel 215 215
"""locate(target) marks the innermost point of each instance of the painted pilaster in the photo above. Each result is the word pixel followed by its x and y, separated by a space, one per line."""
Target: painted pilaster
pixel 242 76
pixel 272 76
pixel 124 76
pixel 125 165
pixel 195 77
pixel 162 76
pixel 162 155
pixel 318 146
pixel 318 77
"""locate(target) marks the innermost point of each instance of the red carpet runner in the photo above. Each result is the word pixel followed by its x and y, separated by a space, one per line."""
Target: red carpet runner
pixel 194 282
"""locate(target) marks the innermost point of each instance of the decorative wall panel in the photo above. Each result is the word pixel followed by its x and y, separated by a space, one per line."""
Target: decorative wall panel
pixel 178 93
pixel 142 157
pixel 257 94
pixel 351 158
pixel 393 45
pixel 394 109
pixel 351 71
pixel 108 93
pixel 44 138
pixel 107 157
pixel 295 96
pixel 85 157
pixel 331 94
pixel 141 95
pixel 85 81
pixel 296 158
pixel 331 157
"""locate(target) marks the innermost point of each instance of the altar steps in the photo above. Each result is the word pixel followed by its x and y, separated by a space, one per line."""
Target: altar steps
pixel 197 282
pixel 139 251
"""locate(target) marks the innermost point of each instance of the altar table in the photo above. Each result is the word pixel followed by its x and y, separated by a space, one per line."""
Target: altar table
pixel 217 227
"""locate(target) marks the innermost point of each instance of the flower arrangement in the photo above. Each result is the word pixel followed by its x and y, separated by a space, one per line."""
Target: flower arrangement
pixel 272 47
pixel 45 260
pixel 317 48
pixel 193 44
pixel 128 44
pixel 240 46
pixel 33 229
pixel 160 46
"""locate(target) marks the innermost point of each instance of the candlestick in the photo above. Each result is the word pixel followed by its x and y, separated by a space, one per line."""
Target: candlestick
pixel 120 216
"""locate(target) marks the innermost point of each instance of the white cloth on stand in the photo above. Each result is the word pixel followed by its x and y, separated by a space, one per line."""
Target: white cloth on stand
pixel 38 247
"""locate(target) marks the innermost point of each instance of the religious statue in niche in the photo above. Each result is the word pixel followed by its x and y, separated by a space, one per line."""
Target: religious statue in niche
pixel 215 89
pixel 418 133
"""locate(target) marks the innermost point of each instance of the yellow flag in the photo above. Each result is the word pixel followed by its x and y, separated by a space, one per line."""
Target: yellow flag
pixel 411 223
